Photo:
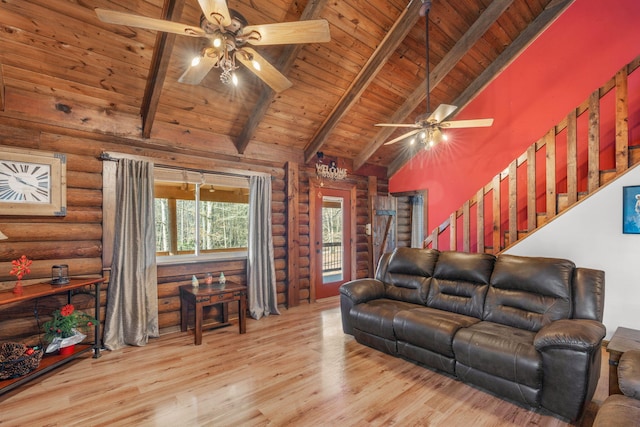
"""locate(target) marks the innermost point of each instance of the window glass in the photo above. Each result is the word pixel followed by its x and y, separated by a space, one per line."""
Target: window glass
pixel 202 218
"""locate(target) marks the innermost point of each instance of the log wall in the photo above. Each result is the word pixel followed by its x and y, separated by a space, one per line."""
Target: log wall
pixel 76 239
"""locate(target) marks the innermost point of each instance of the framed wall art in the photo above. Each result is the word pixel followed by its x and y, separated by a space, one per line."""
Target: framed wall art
pixel 631 209
pixel 32 182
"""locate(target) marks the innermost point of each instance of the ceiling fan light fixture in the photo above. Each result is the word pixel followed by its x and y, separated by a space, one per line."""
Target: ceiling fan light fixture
pixel 234 79
pixel 217 42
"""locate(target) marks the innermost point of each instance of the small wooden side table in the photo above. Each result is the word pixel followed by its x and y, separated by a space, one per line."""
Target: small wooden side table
pixel 204 296
pixel 623 339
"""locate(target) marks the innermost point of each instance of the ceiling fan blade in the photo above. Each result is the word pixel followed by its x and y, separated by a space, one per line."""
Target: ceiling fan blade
pixel 265 71
pixel 442 112
pixel 195 73
pixel 474 123
pixel 401 137
pixel 216 11
pixel 399 125
pixel 313 31
pixel 121 18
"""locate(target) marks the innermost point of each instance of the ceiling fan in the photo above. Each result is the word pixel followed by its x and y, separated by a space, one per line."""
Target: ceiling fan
pixel 227 34
pixel 429 126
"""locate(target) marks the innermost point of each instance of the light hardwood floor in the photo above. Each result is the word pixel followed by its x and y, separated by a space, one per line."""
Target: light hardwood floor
pixel 295 369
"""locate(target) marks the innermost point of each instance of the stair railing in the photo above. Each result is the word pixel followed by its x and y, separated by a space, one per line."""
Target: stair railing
pixel 543 181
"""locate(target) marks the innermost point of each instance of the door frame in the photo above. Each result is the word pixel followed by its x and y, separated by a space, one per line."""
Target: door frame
pixel 314 188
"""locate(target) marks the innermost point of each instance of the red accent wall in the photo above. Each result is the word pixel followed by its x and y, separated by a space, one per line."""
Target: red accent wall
pixel 578 53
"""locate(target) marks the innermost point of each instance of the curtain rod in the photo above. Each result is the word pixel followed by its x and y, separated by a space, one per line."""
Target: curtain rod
pixel 104 156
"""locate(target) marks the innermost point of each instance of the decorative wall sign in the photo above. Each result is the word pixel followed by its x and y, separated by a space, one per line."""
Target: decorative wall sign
pixel 32 183
pixel 631 209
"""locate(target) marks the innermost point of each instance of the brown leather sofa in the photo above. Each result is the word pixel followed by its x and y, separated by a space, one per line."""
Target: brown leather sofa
pixel 623 410
pixel 524 328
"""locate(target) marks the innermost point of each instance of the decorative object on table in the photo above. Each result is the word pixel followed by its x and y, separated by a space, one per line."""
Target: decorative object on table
pixel 16 359
pixel 208 279
pixel 631 209
pixel 60 274
pixel 65 328
pixel 222 280
pixel 33 182
pixel 194 281
pixel 21 267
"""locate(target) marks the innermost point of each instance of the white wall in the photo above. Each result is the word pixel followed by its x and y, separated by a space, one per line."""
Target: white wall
pixel 591 235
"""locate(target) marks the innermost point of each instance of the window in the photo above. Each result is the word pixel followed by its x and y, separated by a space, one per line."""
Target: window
pixel 199 214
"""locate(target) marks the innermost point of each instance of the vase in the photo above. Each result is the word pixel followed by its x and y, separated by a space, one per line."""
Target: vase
pixel 17 289
pixel 67 351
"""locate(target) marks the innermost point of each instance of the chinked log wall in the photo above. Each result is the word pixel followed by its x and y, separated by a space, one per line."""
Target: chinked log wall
pixel 76 239
pixel 543 181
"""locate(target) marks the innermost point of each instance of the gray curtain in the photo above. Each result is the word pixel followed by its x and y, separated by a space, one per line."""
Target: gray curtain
pixel 261 272
pixel 417 221
pixel 132 295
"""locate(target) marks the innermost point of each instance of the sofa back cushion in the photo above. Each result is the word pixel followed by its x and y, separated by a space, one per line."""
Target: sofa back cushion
pixel 408 274
pixel 529 292
pixel 460 282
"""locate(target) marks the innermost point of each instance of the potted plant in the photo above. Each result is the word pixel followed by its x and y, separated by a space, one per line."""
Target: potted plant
pixel 65 328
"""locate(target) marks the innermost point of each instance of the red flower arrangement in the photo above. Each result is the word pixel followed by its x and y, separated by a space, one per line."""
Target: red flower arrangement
pixel 66 322
pixel 21 267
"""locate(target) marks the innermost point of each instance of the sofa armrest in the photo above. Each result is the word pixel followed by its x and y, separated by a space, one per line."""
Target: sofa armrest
pixel 362 290
pixel 574 334
pixel 629 373
pixel 571 357
pixel 356 292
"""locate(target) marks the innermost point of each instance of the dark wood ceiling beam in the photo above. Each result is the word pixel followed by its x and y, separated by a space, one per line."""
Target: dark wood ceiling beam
pixel 172 11
pixel 466 42
pixel 284 64
pixel 376 61
pixel 533 30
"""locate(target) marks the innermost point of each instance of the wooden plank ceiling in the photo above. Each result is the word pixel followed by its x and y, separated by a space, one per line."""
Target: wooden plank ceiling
pixel 373 70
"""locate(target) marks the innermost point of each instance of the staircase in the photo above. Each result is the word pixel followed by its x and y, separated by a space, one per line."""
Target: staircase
pixel 584 152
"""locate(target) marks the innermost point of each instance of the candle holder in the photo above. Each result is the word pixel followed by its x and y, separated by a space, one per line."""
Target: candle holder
pixel 60 274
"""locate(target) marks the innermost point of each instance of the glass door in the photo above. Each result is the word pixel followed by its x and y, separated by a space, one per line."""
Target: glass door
pixel 333 241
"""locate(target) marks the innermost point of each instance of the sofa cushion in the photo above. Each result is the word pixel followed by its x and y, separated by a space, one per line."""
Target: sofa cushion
pixel 376 316
pixel 618 411
pixel 460 282
pixel 430 328
pixel 499 350
pixel 408 274
pixel 528 292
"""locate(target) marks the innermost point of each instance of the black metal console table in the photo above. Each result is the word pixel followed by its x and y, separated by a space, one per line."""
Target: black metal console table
pixel 38 290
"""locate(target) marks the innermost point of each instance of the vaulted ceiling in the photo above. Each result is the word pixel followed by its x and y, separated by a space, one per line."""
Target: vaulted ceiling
pixel 123 81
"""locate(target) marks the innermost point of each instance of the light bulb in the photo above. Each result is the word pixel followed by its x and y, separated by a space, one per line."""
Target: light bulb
pixel 255 64
pixel 234 79
pixel 217 42
pixel 431 143
pixel 445 137
pixel 413 141
pixel 195 61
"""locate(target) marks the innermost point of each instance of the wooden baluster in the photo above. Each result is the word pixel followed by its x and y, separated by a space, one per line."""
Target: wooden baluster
pixel 572 158
pixel 550 144
pixel 593 177
pixel 622 124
